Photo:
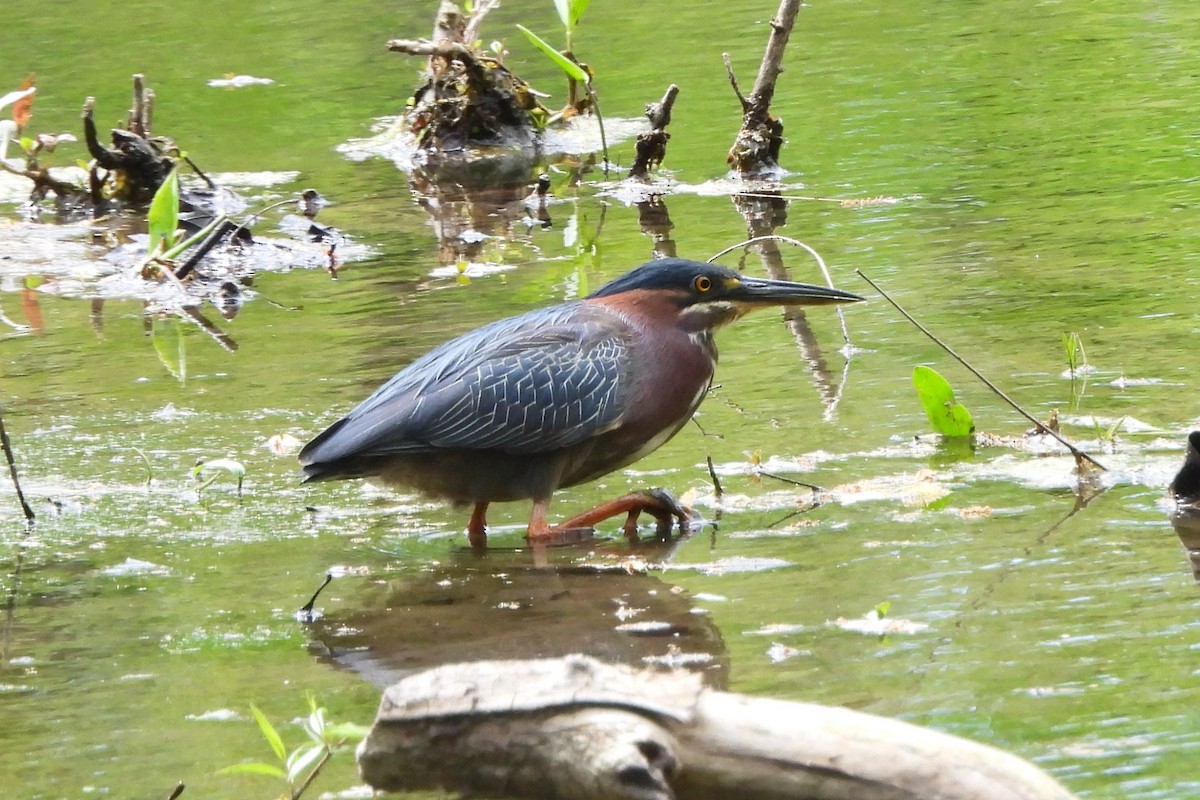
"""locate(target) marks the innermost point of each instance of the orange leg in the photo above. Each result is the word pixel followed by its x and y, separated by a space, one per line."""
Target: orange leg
pixel 656 502
pixel 542 532
pixel 477 527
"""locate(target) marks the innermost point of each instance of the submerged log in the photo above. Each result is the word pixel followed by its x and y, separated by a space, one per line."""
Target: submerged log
pixel 577 729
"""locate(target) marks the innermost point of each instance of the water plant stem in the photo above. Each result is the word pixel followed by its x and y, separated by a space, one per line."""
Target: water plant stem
pixel 12 470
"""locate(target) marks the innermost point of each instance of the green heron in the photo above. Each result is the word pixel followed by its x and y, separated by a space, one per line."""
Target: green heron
pixel 554 397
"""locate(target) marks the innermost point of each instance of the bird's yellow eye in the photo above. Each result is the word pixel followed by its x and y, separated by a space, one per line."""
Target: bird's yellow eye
pixel 702 283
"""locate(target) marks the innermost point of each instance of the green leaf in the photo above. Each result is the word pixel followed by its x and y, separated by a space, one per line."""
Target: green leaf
pixel 163 218
pixel 166 334
pixel 299 761
pixel 346 732
pixel 234 468
pixel 577 9
pixel 569 11
pixel 948 416
pixel 146 461
pixel 254 769
pixel 563 7
pixel 314 726
pixel 216 468
pixel 271 735
pixel 568 66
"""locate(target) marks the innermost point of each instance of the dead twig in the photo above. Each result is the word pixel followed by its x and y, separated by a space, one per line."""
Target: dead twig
pixel 482 8
pixel 1079 455
pixel 306 611
pixel 712 473
pixel 756 148
pixel 734 82
pixel 792 481
pixel 30 517
pixel 423 47
pixel 651 147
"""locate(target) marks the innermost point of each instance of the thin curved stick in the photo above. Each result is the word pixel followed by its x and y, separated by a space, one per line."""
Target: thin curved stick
pixel 820 263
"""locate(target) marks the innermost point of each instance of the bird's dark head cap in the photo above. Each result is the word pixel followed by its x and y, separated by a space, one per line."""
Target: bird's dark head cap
pixel 712 294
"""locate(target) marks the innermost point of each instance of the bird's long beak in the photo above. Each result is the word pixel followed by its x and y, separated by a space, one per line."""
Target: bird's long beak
pixel 764 292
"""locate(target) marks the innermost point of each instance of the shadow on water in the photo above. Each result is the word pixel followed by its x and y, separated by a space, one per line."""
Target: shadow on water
pixel 500 605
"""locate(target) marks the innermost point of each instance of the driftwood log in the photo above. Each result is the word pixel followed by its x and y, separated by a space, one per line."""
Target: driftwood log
pixel 577 729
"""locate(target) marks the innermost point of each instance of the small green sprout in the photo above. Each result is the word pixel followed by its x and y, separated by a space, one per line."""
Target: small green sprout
pixel 299 768
pixel 163 217
pixel 948 417
pixel 215 469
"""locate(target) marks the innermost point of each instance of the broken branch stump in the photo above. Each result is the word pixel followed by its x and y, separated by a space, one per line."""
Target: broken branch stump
pixel 756 149
pixel 651 147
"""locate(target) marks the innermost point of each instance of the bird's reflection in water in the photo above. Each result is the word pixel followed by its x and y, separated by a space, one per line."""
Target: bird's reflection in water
pixel 1185 495
pixel 1186 521
pixel 501 606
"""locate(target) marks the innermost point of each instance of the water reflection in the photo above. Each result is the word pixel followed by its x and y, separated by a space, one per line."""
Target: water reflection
pixel 655 222
pixel 502 606
pixel 1186 522
pixel 764 213
pixel 473 204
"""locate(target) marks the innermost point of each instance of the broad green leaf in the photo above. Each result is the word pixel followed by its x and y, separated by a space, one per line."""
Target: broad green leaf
pixel 167 336
pixel 568 66
pixel 254 769
pixel 271 735
pixel 163 217
pixel 299 761
pixel 947 416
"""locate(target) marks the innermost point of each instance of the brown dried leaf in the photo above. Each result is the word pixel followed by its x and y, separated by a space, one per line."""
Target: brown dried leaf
pixel 22 110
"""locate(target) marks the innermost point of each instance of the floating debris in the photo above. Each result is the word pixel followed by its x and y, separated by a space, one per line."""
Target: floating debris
pixel 134 566
pixel 238 81
pixel 875 623
pixel 778 652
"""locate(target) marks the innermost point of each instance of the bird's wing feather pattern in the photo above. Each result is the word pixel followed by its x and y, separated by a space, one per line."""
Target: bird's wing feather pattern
pixel 527 384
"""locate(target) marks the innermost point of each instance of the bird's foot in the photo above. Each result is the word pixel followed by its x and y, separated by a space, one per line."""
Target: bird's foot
pixel 659 503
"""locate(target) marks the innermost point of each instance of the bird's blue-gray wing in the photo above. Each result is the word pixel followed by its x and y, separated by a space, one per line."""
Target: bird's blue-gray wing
pixel 528 384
